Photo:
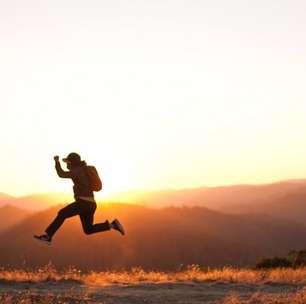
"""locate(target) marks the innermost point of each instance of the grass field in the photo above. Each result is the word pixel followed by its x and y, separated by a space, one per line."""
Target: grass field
pixel 192 285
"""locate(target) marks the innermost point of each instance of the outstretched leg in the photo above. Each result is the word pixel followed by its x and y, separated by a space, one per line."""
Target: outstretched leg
pixel 69 211
pixel 88 226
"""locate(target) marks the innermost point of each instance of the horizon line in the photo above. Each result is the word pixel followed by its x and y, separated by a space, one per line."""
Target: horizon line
pixel 113 193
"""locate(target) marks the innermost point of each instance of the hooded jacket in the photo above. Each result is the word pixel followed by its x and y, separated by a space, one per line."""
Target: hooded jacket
pixel 80 179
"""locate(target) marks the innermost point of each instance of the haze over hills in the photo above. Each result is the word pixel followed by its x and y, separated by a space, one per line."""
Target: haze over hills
pixel 215 198
pixel 4 196
pixel 234 199
pixel 291 206
pixel 156 239
pixel 10 216
pixel 36 201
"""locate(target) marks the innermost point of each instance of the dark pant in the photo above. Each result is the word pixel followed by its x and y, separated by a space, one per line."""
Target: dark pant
pixel 85 210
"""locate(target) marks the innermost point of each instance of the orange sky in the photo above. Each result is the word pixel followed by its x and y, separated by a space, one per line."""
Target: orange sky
pixel 156 94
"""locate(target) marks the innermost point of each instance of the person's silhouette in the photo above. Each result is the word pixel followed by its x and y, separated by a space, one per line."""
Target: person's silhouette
pixel 84 205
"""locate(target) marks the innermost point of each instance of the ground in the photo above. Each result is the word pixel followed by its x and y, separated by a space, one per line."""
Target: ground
pixel 193 287
pixel 179 293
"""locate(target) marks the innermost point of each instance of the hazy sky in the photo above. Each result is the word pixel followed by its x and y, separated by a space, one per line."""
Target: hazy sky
pixel 156 94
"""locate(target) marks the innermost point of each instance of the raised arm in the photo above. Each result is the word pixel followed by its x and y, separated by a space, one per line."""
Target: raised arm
pixel 59 170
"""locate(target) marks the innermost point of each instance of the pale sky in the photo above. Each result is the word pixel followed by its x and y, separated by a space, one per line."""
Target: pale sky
pixel 156 94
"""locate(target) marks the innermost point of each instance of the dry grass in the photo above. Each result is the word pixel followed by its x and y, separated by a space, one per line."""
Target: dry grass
pixel 193 273
pixel 14 293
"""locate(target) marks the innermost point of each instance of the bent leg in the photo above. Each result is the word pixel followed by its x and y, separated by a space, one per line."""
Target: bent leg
pixel 68 211
pixel 87 224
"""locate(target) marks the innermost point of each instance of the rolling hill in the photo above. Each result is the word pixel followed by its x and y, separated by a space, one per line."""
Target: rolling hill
pixel 10 216
pixel 36 201
pixel 291 206
pixel 215 198
pixel 236 199
pixel 4 196
pixel 156 239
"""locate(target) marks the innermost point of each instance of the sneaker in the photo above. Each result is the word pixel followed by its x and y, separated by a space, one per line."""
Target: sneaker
pixel 115 224
pixel 44 238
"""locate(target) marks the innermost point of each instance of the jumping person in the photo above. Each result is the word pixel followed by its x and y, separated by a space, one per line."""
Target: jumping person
pixel 86 180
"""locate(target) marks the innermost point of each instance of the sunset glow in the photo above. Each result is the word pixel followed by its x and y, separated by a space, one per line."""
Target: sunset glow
pixel 155 94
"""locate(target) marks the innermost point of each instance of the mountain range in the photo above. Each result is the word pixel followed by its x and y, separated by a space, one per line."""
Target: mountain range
pixel 162 239
pixel 234 225
pixel 216 198
pixel 230 198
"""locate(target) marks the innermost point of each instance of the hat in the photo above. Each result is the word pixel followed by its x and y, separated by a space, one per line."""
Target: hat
pixel 73 158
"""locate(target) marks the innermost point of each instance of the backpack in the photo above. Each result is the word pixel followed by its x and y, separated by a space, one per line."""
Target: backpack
pixel 94 179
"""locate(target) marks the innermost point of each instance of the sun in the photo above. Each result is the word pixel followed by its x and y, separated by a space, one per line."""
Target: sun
pixel 116 174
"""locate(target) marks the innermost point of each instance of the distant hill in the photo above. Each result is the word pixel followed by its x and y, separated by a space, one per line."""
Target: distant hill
pixel 4 196
pixel 36 201
pixel 10 216
pixel 216 198
pixel 156 239
pixel 291 206
pixel 284 200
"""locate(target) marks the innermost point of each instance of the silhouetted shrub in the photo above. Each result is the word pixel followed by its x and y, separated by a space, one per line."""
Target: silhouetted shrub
pixel 275 262
pixel 297 258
